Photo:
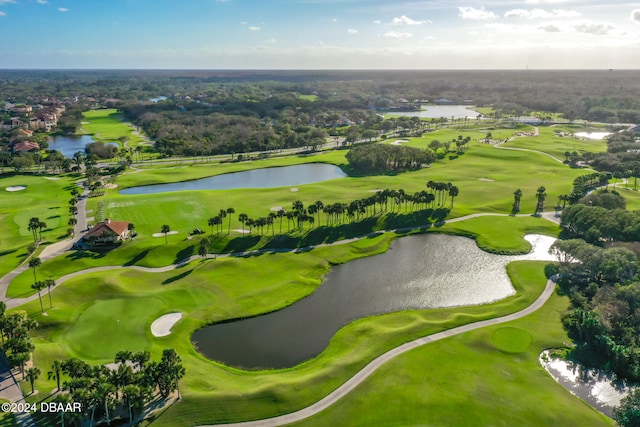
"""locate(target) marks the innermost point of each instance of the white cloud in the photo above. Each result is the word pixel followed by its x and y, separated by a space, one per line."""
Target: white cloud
pixel 405 20
pixel 254 28
pixel 63 9
pixel 550 28
pixel 541 13
pixel 547 1
pixel 7 1
pixel 42 1
pixel 270 41
pixel 334 20
pixel 352 31
pixel 397 35
pixel 2 13
pixel 475 14
pixel 243 22
pixel 593 28
pixel 635 15
pixel 377 22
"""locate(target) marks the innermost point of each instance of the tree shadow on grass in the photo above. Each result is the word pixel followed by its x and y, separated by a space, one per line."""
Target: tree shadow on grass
pixel 137 258
pixel 184 254
pixel 95 253
pixel 241 244
pixel 177 277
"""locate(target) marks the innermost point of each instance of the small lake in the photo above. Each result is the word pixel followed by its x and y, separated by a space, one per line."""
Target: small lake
pixel 598 388
pixel 592 135
pixel 417 272
pixel 437 111
pixel 256 178
pixel 69 145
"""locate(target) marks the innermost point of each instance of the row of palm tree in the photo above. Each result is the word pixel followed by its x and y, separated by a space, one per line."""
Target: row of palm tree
pixel 340 212
pixel 132 383
pixel 35 227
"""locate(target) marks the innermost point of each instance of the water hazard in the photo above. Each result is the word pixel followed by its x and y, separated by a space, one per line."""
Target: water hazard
pixel 417 272
pixel 256 178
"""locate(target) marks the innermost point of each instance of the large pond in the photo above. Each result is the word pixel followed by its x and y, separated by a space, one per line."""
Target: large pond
pixel 598 388
pixel 69 145
pixel 256 178
pixel 417 272
pixel 437 111
pixel 592 135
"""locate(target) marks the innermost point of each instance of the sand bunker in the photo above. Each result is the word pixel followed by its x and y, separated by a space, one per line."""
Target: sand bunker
pixel 16 188
pixel 162 234
pixel 275 208
pixel 294 189
pixel 51 178
pixel 486 180
pixel 111 186
pixel 161 327
pixel 398 142
pixel 376 190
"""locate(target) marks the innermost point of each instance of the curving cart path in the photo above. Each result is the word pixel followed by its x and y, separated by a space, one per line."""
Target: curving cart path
pixel 375 364
pixel 11 390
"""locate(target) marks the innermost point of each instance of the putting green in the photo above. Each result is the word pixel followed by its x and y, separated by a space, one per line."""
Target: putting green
pixel 511 340
pixel 108 326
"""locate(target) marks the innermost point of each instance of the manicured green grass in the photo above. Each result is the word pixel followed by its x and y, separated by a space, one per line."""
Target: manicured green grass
pixel 502 234
pixel 548 142
pixel 107 125
pixel 44 198
pixel 311 98
pixel 229 288
pixel 466 381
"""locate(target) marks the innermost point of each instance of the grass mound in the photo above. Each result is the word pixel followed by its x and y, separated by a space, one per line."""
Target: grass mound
pixel 511 340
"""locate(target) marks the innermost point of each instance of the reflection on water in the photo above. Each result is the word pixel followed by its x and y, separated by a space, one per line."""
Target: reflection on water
pixel 417 272
pixel 255 178
pixel 598 388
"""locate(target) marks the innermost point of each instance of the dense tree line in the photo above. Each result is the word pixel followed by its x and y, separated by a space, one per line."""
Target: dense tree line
pixel 381 158
pixel 15 338
pixel 599 225
pixel 604 290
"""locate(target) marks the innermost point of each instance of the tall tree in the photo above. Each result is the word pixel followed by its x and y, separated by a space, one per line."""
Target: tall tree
pixel 34 223
pixel 165 229
pixel 39 286
pixel 50 283
pixel 541 195
pixel 517 196
pixel 33 374
pixel 230 211
pixel 34 263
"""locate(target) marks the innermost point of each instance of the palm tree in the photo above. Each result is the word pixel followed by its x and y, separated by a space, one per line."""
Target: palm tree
pixel 41 225
pixel 165 229
pixel 453 192
pixel 243 218
pixel 517 196
pixel 34 223
pixel 211 222
pixel 33 374
pixel 540 196
pixel 56 369
pixel 222 215
pixel 230 211
pixel 50 283
pixel 280 214
pixel 34 263
pixel 38 286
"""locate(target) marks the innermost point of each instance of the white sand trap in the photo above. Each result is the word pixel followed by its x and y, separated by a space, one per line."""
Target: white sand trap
pixel 398 142
pixel 377 190
pixel 111 186
pixel 162 234
pixel 275 208
pixel 486 180
pixel 51 178
pixel 294 189
pixel 16 188
pixel 161 327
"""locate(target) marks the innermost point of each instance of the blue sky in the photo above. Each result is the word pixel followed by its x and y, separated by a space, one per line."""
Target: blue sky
pixel 320 34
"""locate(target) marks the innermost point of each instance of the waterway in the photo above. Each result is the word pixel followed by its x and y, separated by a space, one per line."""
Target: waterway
pixel 417 272
pixel 255 178
pixel 437 111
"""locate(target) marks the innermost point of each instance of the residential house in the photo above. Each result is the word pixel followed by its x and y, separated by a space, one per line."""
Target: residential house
pixel 107 232
pixel 25 146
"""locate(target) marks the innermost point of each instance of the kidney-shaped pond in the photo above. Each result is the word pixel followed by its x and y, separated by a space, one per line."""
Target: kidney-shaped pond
pixel 417 272
pixel 255 178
